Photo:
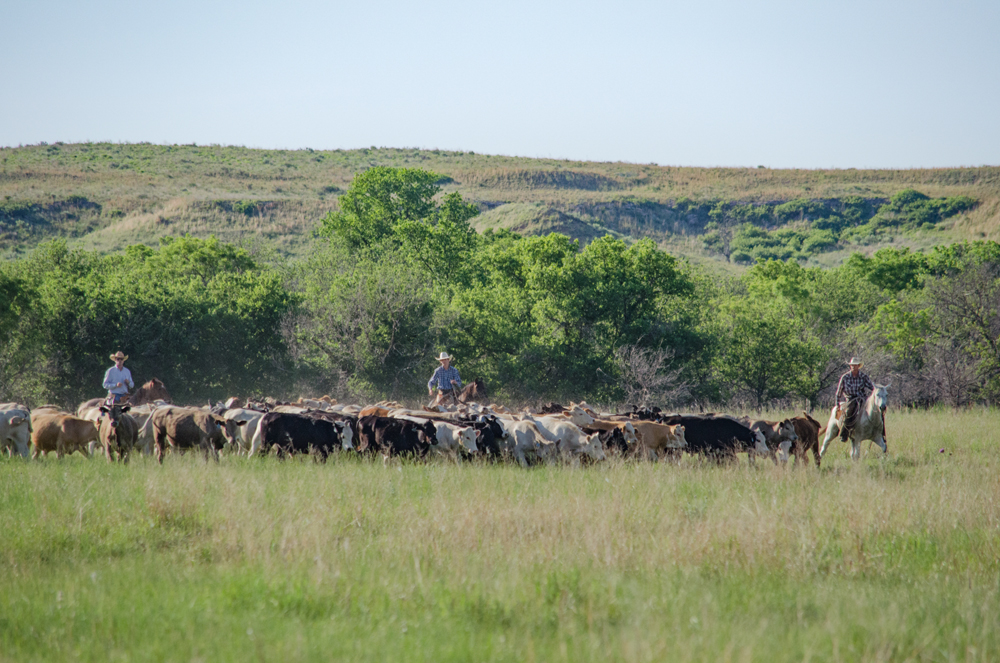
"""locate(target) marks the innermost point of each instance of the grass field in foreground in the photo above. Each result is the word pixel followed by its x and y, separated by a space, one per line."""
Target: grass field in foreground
pixel 884 559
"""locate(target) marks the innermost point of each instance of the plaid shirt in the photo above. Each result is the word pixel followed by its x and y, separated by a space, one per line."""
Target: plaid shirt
pixel 443 376
pixel 855 387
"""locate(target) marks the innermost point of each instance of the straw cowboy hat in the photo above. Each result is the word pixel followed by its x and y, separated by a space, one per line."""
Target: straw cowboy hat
pixel 855 362
pixel 443 356
pixel 119 355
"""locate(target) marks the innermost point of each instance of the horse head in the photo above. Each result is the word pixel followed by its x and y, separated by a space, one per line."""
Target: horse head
pixel 881 396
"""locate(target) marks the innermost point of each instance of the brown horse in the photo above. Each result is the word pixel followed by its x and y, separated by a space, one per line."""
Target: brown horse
pixel 475 391
pixel 149 392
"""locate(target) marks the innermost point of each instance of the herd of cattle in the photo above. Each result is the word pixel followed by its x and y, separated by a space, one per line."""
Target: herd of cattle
pixel 575 433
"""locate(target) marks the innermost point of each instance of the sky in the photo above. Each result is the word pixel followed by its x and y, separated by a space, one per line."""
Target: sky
pixel 805 84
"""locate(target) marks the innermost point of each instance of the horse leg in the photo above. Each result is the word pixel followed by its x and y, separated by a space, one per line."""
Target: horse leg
pixel 855 449
pixel 832 430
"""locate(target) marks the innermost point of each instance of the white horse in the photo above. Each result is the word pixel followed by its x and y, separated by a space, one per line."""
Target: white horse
pixel 870 425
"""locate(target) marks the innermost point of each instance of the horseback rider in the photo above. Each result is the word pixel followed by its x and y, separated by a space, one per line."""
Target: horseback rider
pixel 445 378
pixel 854 388
pixel 118 379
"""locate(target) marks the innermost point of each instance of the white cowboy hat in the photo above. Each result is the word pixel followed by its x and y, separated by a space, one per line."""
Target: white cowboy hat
pixel 119 355
pixel 443 356
pixel 855 362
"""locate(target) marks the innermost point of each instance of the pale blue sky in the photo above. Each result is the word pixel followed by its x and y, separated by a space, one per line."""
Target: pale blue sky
pixel 701 83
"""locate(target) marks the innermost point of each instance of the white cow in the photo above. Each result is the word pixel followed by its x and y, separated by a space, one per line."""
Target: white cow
pixel 523 441
pixel 247 431
pixel 451 438
pixel 15 431
pixel 570 440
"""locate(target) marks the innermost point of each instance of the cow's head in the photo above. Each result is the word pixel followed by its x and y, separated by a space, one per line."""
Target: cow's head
pixel 786 430
pixel 629 434
pixel 18 433
pixel 230 430
pixel 578 416
pixel 346 435
pixel 467 439
pixel 427 433
pixel 593 448
pixel 760 443
pixel 677 440
pixel 114 413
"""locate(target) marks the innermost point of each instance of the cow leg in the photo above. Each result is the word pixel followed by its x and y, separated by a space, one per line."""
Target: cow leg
pixel 158 444
pixel 35 451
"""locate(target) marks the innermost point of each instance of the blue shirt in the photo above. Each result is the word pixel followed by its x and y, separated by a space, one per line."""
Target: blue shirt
pixel 114 376
pixel 443 376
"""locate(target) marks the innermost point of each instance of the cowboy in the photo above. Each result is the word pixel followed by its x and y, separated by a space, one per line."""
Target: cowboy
pixel 118 379
pixel 856 387
pixel 446 379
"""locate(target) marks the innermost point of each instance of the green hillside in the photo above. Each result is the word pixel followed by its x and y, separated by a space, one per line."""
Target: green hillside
pixel 106 196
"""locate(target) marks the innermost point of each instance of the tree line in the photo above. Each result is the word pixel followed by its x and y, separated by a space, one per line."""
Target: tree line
pixel 398 274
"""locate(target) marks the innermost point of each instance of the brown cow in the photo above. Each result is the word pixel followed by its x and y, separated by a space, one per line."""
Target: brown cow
pixel 62 433
pixel 808 430
pixel 187 428
pixel 118 432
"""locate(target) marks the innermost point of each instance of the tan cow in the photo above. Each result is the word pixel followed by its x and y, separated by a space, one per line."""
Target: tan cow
pixel 62 433
pixel 189 428
pixel 659 438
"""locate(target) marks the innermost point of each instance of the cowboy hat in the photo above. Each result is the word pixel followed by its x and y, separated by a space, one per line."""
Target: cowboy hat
pixel 119 355
pixel 855 362
pixel 443 356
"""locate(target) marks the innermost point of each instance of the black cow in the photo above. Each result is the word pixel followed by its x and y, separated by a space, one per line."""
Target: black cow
pixel 612 439
pixel 335 417
pixel 719 438
pixel 391 436
pixel 295 433
pixel 490 435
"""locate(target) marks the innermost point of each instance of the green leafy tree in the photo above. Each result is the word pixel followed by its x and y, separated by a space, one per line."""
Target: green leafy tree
pixel 379 199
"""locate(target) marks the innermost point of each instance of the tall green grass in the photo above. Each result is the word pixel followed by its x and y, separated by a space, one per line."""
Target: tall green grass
pixel 885 559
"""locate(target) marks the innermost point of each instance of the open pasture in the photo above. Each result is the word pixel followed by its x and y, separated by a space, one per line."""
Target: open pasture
pixel 255 559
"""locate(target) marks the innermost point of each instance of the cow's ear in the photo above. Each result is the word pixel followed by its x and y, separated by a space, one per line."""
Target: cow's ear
pixel 16 421
pixel 126 408
pixel 240 423
pixel 477 433
pixel 103 409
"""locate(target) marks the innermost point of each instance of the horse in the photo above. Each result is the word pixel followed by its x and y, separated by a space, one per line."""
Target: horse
pixel 149 392
pixel 870 424
pixel 475 392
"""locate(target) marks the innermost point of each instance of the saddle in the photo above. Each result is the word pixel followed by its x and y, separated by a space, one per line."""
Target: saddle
pixel 850 414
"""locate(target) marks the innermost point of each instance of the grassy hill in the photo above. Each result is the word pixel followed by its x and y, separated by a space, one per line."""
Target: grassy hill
pixel 105 196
